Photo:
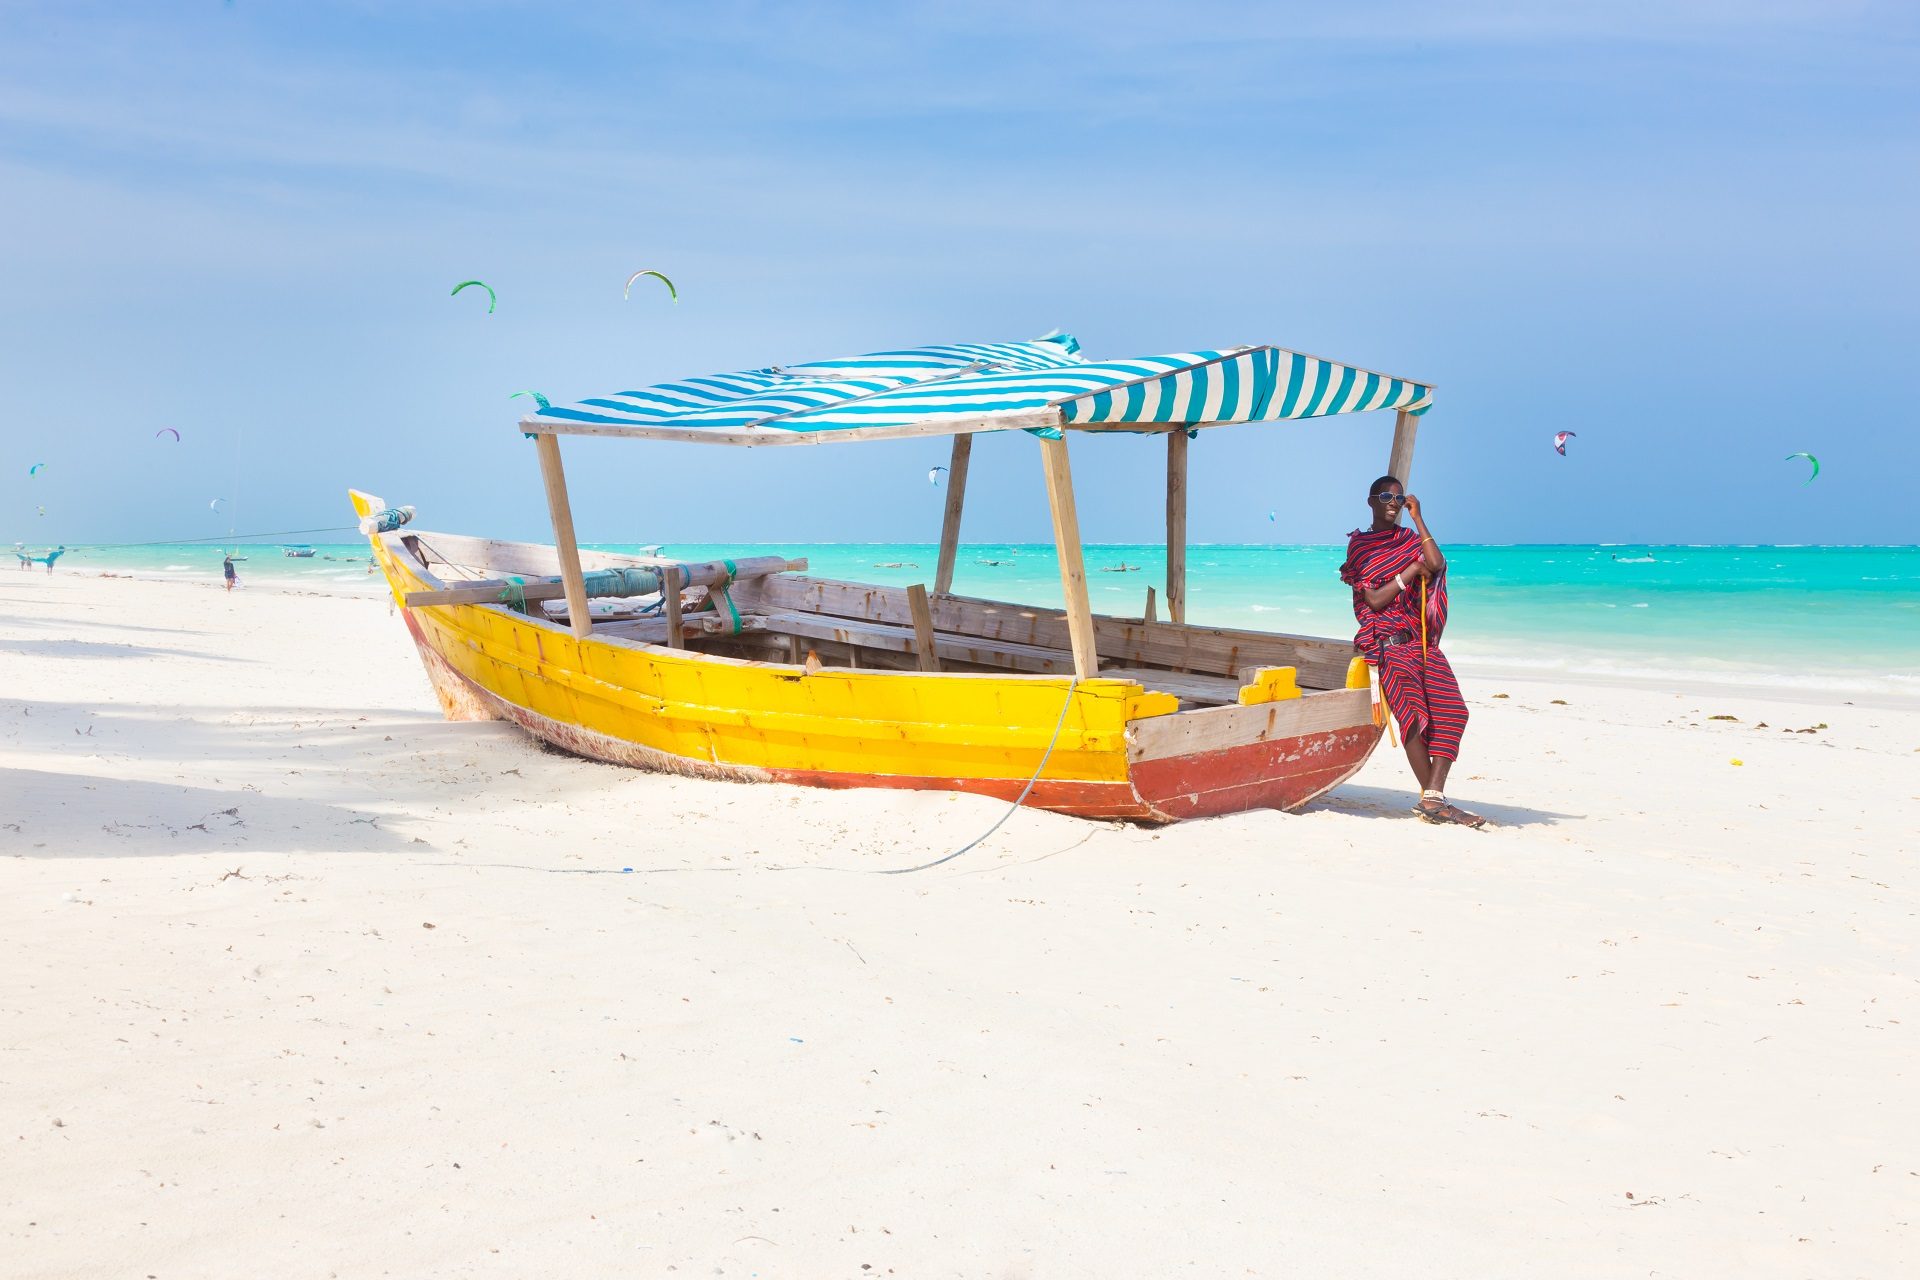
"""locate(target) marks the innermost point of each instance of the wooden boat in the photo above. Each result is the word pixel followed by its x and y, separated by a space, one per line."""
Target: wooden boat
pixel 753 670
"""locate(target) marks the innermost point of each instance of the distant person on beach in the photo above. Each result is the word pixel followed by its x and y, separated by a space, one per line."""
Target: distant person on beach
pixel 226 567
pixel 51 556
pixel 1395 572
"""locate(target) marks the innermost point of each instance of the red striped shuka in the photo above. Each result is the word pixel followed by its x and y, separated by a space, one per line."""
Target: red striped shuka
pixel 1419 686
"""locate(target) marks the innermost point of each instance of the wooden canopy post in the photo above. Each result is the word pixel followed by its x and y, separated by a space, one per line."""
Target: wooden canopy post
pixel 950 525
pixel 924 639
pixel 555 479
pixel 1073 568
pixel 1400 461
pixel 1177 525
pixel 670 597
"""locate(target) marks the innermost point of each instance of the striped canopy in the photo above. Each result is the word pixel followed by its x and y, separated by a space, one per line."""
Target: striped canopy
pixel 1044 386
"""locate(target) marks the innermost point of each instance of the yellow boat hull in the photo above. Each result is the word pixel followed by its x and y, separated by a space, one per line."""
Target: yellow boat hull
pixel 1100 747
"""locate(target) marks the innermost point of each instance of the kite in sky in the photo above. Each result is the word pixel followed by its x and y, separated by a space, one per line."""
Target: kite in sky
pixel 671 291
pixel 1810 458
pixel 491 299
pixel 933 474
pixel 1560 439
pixel 215 504
pixel 167 431
pixel 35 468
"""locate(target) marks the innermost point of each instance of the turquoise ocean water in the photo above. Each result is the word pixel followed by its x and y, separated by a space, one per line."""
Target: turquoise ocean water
pixel 1834 617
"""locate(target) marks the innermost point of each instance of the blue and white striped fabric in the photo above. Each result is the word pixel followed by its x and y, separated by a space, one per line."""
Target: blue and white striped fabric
pixel 1248 384
pixel 1041 386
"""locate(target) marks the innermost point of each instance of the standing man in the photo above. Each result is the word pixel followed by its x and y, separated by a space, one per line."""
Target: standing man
pixel 1399 581
pixel 226 567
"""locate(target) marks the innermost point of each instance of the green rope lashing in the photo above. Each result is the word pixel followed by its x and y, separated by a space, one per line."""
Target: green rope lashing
pixel 515 595
pixel 726 593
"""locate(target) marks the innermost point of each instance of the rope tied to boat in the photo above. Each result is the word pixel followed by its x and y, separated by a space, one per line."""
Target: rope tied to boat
pixel 620 582
pixel 385 521
pixel 725 588
pixel 1053 741
pixel 514 595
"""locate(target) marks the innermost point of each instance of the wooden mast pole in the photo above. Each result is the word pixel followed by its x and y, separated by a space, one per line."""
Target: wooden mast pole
pixel 950 525
pixel 1400 461
pixel 1177 525
pixel 555 479
pixel 1073 569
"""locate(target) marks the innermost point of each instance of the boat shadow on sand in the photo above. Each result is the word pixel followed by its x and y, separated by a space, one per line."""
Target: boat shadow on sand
pixel 65 626
pixel 265 779
pixel 1397 803
pixel 81 815
pixel 106 649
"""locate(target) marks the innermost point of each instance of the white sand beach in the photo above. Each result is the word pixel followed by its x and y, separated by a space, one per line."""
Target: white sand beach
pixel 297 979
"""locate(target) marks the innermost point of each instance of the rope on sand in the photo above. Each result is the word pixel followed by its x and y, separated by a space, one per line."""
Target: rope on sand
pixel 1018 800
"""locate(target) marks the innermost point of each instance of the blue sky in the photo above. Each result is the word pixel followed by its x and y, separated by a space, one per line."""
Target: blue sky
pixel 1684 231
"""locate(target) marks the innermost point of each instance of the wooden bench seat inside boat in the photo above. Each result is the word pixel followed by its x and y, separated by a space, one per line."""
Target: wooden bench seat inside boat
pixel 1131 642
pixel 1192 690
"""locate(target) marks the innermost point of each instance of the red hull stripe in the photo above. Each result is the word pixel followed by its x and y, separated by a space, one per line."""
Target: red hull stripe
pixel 1283 774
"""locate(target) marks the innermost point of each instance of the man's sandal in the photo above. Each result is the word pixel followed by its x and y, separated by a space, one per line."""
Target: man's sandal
pixel 1434 808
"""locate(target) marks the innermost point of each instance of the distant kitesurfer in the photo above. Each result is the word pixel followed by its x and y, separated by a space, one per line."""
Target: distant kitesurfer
pixel 1395 571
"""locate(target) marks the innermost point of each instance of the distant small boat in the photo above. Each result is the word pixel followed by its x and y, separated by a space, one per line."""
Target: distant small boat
pixel 298 551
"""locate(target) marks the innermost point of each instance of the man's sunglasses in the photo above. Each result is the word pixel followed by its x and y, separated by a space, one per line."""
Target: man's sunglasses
pixel 1389 497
